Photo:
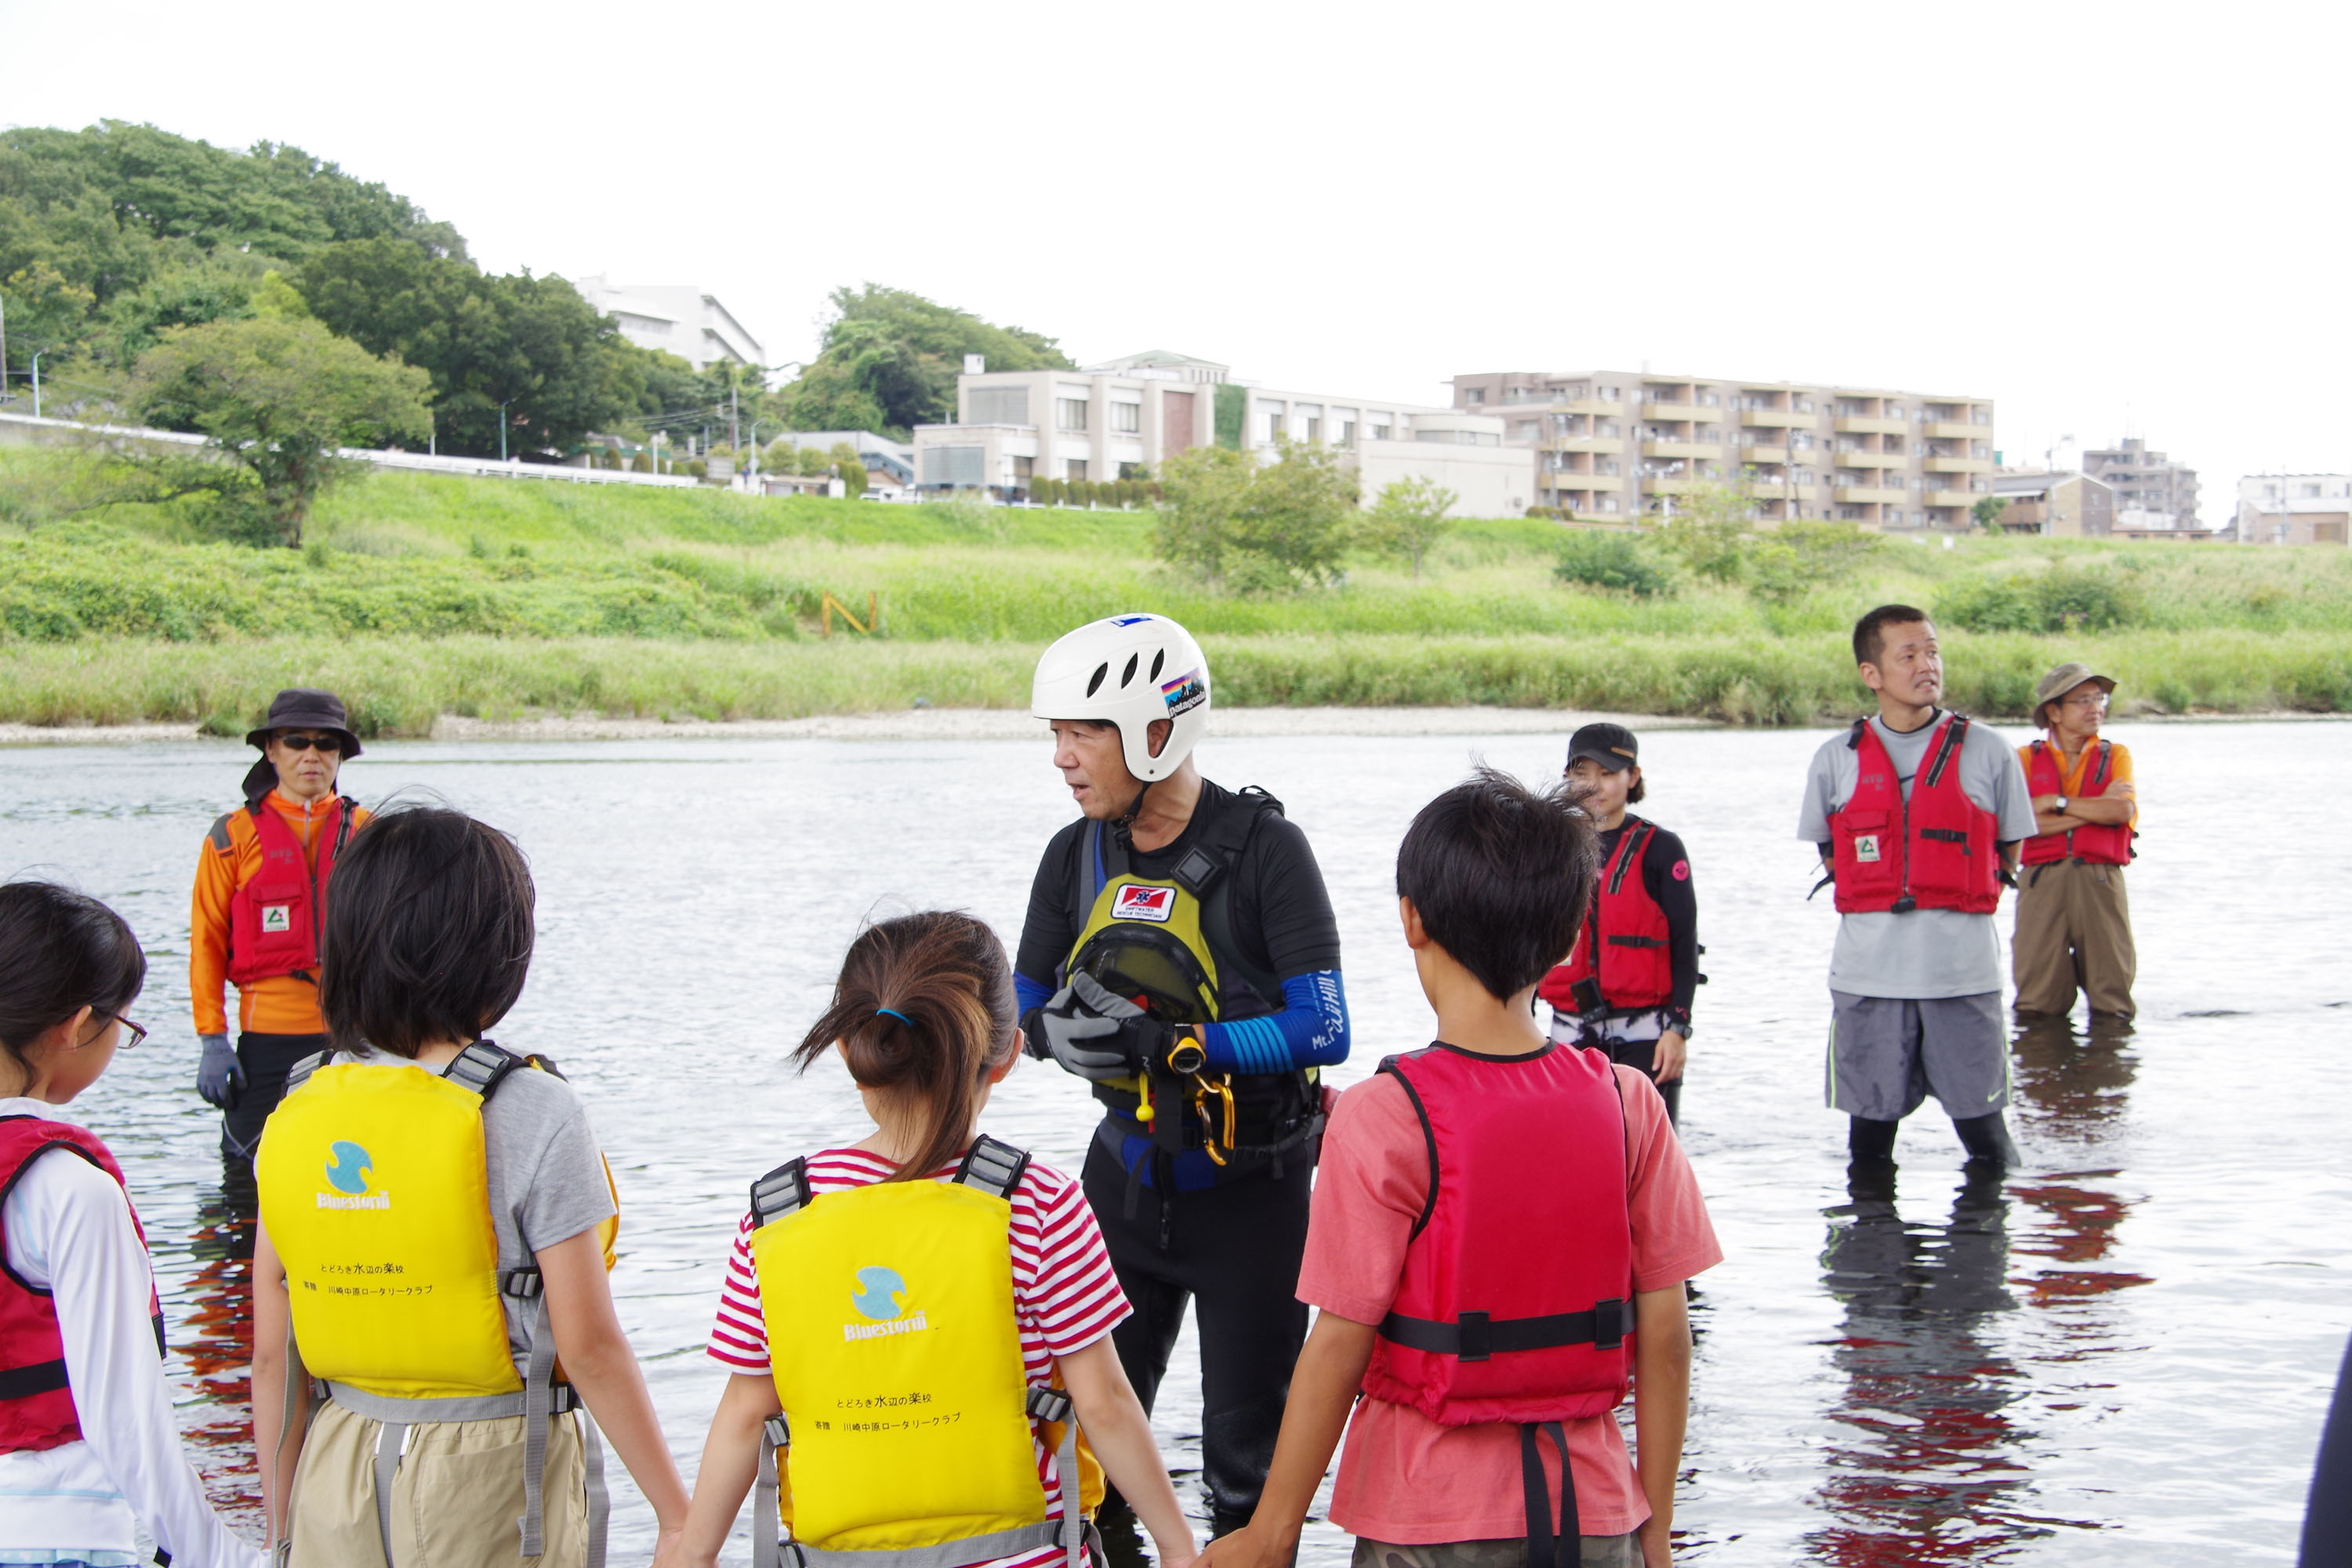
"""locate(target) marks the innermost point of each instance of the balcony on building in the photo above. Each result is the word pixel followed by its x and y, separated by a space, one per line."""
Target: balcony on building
pixel 1871 424
pixel 1959 465
pixel 1864 495
pixel 1703 450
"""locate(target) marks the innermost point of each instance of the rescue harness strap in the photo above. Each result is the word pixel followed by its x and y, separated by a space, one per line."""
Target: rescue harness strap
pixel 1541 1540
pixel 1474 1336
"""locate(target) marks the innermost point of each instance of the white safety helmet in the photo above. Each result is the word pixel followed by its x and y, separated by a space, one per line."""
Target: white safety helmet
pixel 1129 670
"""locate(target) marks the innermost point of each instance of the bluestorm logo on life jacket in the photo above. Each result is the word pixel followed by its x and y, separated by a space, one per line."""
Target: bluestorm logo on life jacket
pixel 351 1171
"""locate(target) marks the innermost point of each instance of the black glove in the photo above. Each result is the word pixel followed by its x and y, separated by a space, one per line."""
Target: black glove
pixel 218 1076
pixel 1099 1036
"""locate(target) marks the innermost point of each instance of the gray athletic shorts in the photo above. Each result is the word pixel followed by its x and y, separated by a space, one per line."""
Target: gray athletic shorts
pixel 1888 1053
pixel 1593 1552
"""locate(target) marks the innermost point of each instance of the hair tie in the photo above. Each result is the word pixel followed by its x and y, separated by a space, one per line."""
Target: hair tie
pixel 894 1014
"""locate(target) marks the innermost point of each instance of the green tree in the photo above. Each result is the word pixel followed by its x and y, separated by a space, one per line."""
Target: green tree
pixel 890 358
pixel 1622 563
pixel 1408 518
pixel 826 398
pixel 277 397
pixel 852 468
pixel 1253 528
pixel 1987 511
pixel 1792 560
pixel 1707 530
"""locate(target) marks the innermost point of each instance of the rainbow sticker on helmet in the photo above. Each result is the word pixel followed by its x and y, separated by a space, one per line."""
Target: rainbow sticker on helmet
pixel 1184 693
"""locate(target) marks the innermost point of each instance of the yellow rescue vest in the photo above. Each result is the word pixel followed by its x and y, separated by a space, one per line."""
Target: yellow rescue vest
pixel 374 1188
pixel 896 1357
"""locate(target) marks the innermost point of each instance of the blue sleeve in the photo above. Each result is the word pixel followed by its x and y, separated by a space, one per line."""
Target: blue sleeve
pixel 1311 1030
pixel 1030 993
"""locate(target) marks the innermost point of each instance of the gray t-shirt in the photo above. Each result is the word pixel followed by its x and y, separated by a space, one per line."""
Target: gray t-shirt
pixel 1926 953
pixel 547 1177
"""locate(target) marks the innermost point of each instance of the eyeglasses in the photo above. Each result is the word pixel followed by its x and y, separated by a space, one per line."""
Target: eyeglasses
pixel 133 1033
pixel 2086 699
pixel 304 743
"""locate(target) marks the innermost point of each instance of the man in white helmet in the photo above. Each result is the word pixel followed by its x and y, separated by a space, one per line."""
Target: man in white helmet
pixel 1179 953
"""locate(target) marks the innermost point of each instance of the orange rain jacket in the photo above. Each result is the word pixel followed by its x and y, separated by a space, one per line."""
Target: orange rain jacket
pixel 280 1005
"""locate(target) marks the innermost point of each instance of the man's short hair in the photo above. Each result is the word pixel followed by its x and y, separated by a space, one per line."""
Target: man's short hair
pixel 1502 875
pixel 1870 632
pixel 428 932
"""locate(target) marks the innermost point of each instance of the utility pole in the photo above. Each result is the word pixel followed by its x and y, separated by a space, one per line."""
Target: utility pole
pixel 37 383
pixel 4 349
pixel 734 413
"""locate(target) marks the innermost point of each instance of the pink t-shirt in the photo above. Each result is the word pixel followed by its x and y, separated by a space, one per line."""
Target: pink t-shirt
pixel 1064 1295
pixel 1402 1478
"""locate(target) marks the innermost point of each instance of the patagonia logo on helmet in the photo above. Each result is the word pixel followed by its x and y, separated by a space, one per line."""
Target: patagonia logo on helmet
pixel 276 916
pixel 1184 693
pixel 1137 903
pixel 349 1170
pixel 879 1296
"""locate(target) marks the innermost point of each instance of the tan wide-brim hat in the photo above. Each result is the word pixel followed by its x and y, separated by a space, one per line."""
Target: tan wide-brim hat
pixel 2061 681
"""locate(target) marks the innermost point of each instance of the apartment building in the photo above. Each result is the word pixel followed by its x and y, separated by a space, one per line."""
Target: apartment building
pixel 2294 508
pixel 2061 503
pixel 677 319
pixel 2146 483
pixel 1612 445
pixel 1114 420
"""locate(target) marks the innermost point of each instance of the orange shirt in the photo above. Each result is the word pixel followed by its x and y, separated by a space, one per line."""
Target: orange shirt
pixel 231 855
pixel 2071 774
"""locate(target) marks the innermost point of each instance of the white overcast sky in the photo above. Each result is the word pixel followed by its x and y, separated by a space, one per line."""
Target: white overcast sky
pixel 2108 217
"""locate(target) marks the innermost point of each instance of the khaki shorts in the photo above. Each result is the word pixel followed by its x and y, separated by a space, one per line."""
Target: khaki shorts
pixel 456 1502
pixel 1596 1551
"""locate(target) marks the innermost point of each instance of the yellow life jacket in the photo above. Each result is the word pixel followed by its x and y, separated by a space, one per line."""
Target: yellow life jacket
pixel 374 1188
pixel 896 1356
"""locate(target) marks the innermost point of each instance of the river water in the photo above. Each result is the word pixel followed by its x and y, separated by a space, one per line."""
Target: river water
pixel 2120 1354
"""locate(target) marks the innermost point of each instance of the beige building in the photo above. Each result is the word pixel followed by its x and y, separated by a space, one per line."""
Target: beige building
pixel 1114 421
pixel 2060 502
pixel 1612 445
pixel 2294 508
pixel 679 318
pixel 2162 492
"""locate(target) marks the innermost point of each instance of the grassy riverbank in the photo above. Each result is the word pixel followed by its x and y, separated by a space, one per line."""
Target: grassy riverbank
pixel 422 594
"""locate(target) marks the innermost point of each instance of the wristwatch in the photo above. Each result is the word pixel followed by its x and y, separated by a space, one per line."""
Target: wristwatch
pixel 2062 806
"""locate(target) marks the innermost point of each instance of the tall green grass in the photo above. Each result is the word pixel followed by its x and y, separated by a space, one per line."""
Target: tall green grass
pixel 398 684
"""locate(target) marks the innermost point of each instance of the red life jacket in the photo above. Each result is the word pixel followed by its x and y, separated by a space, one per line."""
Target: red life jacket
pixel 2099 845
pixel 1484 1326
pixel 1938 850
pixel 37 1407
pixel 273 920
pixel 1625 938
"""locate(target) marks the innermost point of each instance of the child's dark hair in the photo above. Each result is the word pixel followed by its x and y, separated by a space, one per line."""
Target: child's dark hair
pixel 924 1009
pixel 1870 632
pixel 1501 875
pixel 428 932
pixel 60 952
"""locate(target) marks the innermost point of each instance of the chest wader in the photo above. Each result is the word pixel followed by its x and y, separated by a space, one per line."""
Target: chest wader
pixel 374 1186
pixel 907 1410
pixel 1166 944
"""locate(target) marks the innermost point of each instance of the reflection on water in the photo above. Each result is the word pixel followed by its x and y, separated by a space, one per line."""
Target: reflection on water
pixel 2120 1356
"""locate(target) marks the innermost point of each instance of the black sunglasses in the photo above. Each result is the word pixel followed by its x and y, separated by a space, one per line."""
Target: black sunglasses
pixel 304 743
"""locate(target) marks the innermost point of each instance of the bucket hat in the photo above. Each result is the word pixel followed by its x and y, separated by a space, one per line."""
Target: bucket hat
pixel 2061 681
pixel 298 708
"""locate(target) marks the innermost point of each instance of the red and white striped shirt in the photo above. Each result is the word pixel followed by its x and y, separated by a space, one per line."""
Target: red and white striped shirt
pixel 1064 1295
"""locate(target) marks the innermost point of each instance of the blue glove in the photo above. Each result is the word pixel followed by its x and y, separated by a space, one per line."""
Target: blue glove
pixel 1099 1036
pixel 218 1076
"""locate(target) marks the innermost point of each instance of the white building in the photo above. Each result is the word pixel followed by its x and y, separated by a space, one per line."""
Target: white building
pixel 679 318
pixel 1111 421
pixel 2294 508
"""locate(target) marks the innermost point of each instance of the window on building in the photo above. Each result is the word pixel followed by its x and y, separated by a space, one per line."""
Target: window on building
pixel 2310 492
pixel 1347 432
pixel 1314 428
pixel 1024 468
pixel 1476 394
pixel 1608 503
pixel 1379 431
pixel 1128 470
pixel 1609 394
pixel 1125 419
pixel 954 467
pixel 1069 414
pixel 1074 469
pixel 998 405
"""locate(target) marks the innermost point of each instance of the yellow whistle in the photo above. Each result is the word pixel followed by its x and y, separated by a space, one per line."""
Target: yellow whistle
pixel 1144 1111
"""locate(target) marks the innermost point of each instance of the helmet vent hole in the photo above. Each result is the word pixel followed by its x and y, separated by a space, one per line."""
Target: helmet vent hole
pixel 1126 677
pixel 1159 660
pixel 1096 684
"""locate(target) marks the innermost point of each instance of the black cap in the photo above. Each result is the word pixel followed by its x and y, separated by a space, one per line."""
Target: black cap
pixel 299 708
pixel 1610 746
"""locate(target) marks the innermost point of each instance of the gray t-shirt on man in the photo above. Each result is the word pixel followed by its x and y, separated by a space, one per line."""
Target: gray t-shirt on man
pixel 1926 953
pixel 546 1176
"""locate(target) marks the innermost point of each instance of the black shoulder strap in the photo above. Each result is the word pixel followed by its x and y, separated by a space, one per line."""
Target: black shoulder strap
pixel 344 824
pixel 1394 1068
pixel 1955 732
pixel 992 1167
pixel 482 1066
pixel 219 833
pixel 1222 839
pixel 1854 735
pixel 782 1191
pixel 300 1073
pixel 1636 838
pixel 2099 769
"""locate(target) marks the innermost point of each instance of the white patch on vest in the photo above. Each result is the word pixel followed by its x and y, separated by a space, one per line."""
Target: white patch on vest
pixel 914 1323
pixel 276 916
pixel 1866 846
pixel 1134 903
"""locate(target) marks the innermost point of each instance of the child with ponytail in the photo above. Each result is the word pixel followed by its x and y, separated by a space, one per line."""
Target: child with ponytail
pixel 920 1323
